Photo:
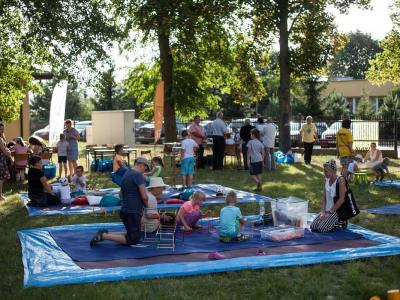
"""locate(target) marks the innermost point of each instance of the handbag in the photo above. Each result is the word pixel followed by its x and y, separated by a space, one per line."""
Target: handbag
pixel 349 207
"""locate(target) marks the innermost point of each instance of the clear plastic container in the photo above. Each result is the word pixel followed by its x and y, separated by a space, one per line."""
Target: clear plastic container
pixel 290 211
pixel 278 234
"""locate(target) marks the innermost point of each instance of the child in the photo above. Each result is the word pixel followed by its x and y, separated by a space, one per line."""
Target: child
pixel 353 167
pixel 20 165
pixel 189 213
pixel 231 220
pixel 79 180
pixel 62 147
pixel 380 170
pixel 229 140
pixel 187 159
pixel 238 143
pixel 118 160
pixel 255 157
pixel 156 168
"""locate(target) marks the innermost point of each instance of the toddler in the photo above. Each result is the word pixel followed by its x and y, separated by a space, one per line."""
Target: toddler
pixel 231 220
pixel 255 157
pixel 380 169
pixel 79 180
pixel 156 168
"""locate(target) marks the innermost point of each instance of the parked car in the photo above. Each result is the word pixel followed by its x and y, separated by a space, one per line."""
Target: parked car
pixel 145 134
pixel 238 123
pixel 328 137
pixel 81 127
pixel 295 131
pixel 137 123
pixel 43 133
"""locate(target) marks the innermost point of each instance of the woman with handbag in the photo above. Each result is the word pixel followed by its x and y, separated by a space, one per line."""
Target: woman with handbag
pixel 333 203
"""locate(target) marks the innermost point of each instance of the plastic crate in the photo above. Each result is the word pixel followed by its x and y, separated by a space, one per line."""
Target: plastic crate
pixel 290 211
pixel 277 234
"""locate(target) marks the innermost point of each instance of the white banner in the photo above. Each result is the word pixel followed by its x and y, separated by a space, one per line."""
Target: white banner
pixel 57 112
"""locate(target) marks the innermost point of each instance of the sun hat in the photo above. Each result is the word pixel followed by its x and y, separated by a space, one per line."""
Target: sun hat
pixel 156 182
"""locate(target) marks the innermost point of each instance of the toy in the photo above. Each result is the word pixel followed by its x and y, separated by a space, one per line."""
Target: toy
pixel 65 191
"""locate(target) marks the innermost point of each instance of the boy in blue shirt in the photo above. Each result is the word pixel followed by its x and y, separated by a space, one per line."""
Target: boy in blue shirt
pixel 231 221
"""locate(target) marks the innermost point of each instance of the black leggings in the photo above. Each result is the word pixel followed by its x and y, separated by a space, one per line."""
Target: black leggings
pixel 44 199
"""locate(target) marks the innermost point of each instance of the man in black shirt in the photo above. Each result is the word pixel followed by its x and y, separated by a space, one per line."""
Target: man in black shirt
pixel 245 136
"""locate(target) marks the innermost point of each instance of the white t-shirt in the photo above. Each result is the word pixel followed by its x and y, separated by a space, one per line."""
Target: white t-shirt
pixel 151 224
pixel 330 193
pixel 62 148
pixel 268 138
pixel 78 186
pixel 229 141
pixel 188 146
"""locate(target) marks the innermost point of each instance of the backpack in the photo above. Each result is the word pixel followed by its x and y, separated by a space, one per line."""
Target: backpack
pixel 349 207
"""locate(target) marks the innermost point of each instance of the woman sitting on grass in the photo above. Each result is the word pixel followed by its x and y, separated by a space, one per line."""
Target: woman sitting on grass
pixel 39 190
pixel 328 218
pixel 189 213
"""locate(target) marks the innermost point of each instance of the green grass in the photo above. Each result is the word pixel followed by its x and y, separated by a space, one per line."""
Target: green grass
pixel 359 279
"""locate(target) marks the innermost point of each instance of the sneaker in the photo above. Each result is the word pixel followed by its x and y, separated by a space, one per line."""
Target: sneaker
pixel 242 238
pixel 98 237
pixel 259 187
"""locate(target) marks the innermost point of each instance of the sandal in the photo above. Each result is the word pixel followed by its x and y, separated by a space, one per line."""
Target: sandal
pixel 98 237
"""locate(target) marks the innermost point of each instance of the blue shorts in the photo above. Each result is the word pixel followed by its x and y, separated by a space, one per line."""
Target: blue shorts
pixel 187 166
pixel 256 168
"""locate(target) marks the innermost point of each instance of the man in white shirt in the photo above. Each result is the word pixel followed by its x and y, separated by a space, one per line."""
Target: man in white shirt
pixel 219 131
pixel 268 140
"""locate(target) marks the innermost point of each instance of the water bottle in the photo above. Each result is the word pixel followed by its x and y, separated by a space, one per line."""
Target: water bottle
pixel 262 208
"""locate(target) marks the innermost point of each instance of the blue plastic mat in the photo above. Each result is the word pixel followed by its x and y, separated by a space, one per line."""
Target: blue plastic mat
pixel 395 184
pixel 208 189
pixel 46 264
pixel 385 210
pixel 76 244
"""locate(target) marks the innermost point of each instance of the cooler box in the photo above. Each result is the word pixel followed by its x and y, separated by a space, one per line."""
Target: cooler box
pixel 49 170
pixel 278 234
pixel 290 211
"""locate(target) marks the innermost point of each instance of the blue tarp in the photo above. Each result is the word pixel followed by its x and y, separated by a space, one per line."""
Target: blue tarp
pixel 46 264
pixel 395 184
pixel 385 210
pixel 209 189
pixel 76 243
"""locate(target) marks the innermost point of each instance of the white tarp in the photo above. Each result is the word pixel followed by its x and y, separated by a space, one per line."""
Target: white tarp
pixel 57 111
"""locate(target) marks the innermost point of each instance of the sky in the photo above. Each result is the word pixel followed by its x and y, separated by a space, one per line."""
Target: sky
pixel 375 22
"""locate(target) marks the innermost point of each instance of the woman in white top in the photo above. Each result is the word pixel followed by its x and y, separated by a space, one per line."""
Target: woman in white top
pixel 328 219
pixel 373 156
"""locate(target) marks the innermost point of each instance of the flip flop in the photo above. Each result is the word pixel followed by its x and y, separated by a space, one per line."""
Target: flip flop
pixel 216 256
pixel 98 237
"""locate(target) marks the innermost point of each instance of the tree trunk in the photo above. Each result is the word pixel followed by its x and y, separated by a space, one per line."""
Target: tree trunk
pixel 166 62
pixel 284 78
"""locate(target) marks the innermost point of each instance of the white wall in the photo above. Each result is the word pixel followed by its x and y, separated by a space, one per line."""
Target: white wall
pixel 113 127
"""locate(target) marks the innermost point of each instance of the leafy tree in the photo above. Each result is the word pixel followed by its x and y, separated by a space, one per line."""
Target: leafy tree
pixel 311 36
pixel 391 104
pixel 175 25
pixel 364 107
pixel 54 33
pixel 353 59
pixel 386 65
pixel 106 91
pixel 335 107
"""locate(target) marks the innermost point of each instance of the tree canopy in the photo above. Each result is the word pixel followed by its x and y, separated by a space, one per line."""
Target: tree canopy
pixel 353 59
pixel 62 35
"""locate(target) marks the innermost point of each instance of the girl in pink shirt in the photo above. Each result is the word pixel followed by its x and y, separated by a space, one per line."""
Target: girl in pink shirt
pixel 189 213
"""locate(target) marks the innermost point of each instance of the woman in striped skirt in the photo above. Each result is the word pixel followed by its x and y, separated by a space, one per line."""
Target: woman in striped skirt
pixel 328 219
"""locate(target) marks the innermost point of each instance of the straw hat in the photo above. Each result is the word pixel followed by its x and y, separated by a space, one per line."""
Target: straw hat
pixel 156 182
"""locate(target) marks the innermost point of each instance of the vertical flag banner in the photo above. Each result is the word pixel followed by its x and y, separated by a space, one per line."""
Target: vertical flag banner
pixel 158 110
pixel 57 111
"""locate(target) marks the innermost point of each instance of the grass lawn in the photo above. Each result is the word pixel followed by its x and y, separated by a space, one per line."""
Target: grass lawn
pixel 358 279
